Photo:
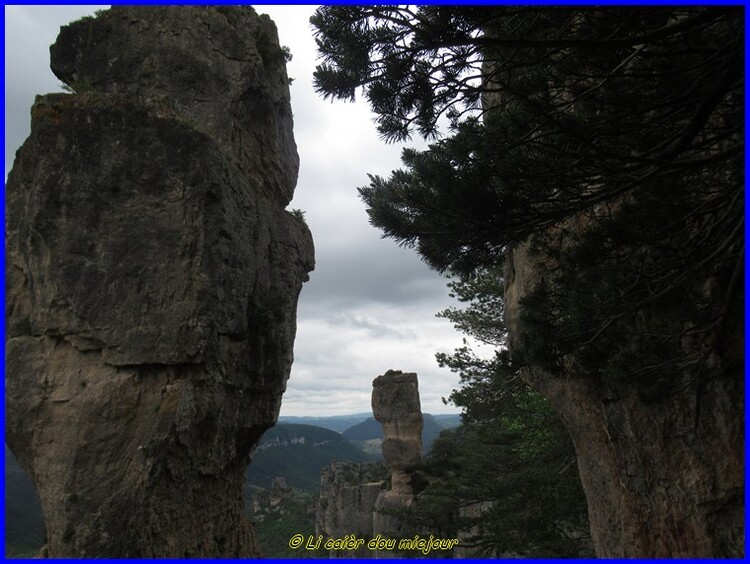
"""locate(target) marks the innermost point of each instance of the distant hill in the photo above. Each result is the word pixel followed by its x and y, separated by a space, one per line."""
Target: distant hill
pixel 298 453
pixel 448 420
pixel 341 423
pixel 336 423
pixel 24 527
pixel 370 429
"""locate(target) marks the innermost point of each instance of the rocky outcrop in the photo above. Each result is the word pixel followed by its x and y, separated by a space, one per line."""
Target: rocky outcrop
pixel 354 498
pixel 348 493
pixel 265 502
pixel 663 477
pixel 152 279
pixel 472 512
pixel 221 70
pixel 395 404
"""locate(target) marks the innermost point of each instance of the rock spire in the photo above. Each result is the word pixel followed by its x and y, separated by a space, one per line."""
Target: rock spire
pixel 395 405
pixel 152 279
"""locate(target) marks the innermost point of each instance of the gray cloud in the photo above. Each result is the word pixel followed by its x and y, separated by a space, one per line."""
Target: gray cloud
pixel 370 305
pixel 375 272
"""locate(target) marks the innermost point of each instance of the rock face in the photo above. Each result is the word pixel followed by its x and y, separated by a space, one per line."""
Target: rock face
pixel 152 279
pixel 268 501
pixel 662 478
pixel 348 493
pixel 395 404
pixel 220 69
pixel 353 498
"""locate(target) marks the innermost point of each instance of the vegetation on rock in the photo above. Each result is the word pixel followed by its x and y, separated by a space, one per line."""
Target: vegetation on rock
pixel 289 514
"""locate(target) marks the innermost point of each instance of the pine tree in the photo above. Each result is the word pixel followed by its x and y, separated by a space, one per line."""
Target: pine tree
pixel 606 145
pixel 618 131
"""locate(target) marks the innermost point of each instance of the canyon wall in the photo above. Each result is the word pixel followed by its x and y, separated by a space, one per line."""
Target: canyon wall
pixel 152 279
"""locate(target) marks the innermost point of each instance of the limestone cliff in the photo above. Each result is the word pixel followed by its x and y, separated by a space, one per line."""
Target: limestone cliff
pixel 348 492
pixel 663 476
pixel 152 279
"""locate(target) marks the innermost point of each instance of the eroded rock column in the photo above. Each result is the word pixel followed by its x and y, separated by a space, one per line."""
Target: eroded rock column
pixel 152 279
pixel 395 405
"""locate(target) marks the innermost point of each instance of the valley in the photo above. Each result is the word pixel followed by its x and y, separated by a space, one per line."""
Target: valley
pixel 293 453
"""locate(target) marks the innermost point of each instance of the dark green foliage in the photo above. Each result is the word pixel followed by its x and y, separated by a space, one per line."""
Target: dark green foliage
pixel 489 385
pixel 512 458
pixel 484 319
pixel 521 471
pixel 408 61
pixel 509 483
pixel 610 139
pixel 291 517
pixel 299 214
pixel 443 204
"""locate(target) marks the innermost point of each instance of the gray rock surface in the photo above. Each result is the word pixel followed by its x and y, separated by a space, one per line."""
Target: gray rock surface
pixel 152 278
pixel 348 493
pixel 265 502
pixel 665 478
pixel 220 68
pixel 395 404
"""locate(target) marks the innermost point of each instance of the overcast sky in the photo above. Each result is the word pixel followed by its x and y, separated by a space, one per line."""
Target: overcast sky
pixel 370 305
